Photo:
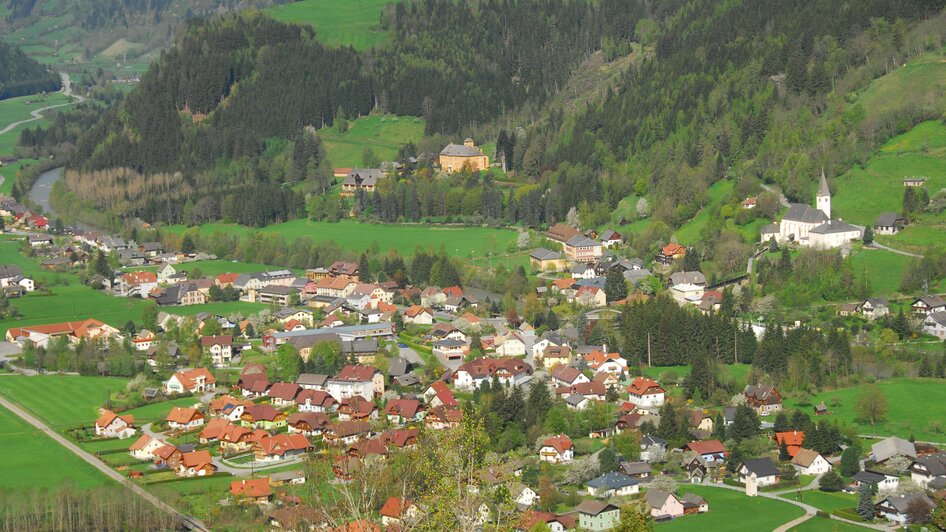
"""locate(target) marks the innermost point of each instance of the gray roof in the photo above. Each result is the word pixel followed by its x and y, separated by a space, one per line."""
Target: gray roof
pixel 279 290
pixel 834 226
pixel 938 317
pixel 593 507
pixel 581 241
pixel 687 278
pixel 398 366
pixel 888 219
pixel 312 379
pixel 612 480
pixel 649 440
pixel 285 312
pixel 10 270
pixel 545 254
pixel 363 177
pixel 799 212
pixel 344 330
pixel 459 150
pixel 636 468
pixel 636 276
pixel 575 399
pixel 901 503
pixel 406 380
pixel 361 346
pixel 932 301
pixel 935 463
pixel 868 477
pixel 770 229
pixel 762 467
pixel 449 342
pixel 823 189
pixel 657 498
pixel 581 268
pixel 693 499
pixel 892 446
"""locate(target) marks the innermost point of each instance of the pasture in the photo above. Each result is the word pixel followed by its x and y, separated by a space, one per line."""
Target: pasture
pixel 820 524
pixel 33 460
pixel 62 401
pixel 904 418
pixel 826 501
pixel 349 23
pixel 728 506
pixel 383 134
pixel 884 269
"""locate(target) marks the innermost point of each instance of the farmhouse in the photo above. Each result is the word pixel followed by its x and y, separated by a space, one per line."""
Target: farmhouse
pixel 889 223
pixel 184 418
pixel 456 157
pixel 763 469
pixel 111 425
pixel 808 462
pixel 921 306
pixel 887 448
pixel 193 380
pixel 935 324
pixel 365 179
pixel 557 450
pixel 765 399
pixel 926 469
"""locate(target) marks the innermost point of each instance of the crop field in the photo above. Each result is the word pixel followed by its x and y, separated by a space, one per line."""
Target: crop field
pixel 338 23
pixel 383 134
pixel 33 460
pixel 62 401
pixel 728 506
pixel 903 418
pixel 356 236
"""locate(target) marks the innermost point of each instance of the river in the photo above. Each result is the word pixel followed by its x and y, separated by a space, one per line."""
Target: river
pixel 41 191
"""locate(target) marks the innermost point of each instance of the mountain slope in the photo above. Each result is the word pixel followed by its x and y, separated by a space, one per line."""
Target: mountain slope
pixel 20 75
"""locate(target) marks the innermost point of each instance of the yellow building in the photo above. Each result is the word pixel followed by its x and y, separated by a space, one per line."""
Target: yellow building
pixel 454 157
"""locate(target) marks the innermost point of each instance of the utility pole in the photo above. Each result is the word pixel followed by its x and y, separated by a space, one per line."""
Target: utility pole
pixel 735 346
pixel 648 350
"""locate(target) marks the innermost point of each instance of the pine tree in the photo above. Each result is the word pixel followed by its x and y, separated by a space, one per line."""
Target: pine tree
pixel 719 428
pixel 745 424
pixel 783 452
pixel 868 235
pixel 850 461
pixel 364 269
pixel 865 505
pixel 615 288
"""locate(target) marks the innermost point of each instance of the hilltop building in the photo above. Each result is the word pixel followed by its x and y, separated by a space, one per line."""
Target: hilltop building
pixel 813 227
pixel 454 157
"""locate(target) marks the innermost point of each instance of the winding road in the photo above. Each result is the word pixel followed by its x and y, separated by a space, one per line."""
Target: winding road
pixel 38 113
pixel 185 520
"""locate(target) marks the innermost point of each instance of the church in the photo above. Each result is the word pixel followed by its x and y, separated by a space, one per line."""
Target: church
pixel 813 227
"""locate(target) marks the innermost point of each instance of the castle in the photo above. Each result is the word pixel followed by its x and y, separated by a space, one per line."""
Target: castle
pixel 813 227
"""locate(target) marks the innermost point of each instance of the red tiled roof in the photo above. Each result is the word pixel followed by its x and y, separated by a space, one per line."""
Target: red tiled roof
pixel 672 249
pixel 406 408
pixel 214 428
pixel 183 415
pixel 356 373
pixel 108 417
pixel 313 420
pixel 187 378
pixel 227 278
pixel 560 443
pixel 254 488
pixel 395 507
pixel 196 459
pixel 207 341
pixel 283 443
pixel 443 393
pixel 643 386
pixel 487 367
pixel 706 447
pixel 79 329
pixel 141 443
pixel 135 278
pixel 286 391
pixel 316 397
pixel 261 413
pixel 416 310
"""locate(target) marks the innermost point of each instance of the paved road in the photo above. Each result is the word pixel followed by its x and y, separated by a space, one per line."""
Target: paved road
pixel 38 113
pixel 411 356
pixel 188 521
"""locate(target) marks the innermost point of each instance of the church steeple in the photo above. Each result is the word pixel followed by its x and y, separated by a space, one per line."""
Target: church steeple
pixel 823 199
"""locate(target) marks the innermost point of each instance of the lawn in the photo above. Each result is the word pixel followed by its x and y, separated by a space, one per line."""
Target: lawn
pixel 918 236
pixel 820 524
pixel 339 23
pixel 356 236
pixel 383 134
pixel 61 401
pixel 32 460
pixel 826 501
pixel 9 171
pixel 738 372
pixel 904 419
pixel 158 411
pixel 884 269
pixel 689 233
pixel 727 507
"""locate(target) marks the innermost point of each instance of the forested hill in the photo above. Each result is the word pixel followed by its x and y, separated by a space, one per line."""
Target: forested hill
pixel 20 75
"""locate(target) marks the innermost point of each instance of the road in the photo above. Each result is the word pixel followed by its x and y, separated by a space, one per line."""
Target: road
pixel 38 113
pixel 187 521
pixel 897 251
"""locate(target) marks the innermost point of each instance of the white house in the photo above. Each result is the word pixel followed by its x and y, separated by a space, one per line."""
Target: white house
pixel 935 324
pixel 808 462
pixel 927 468
pixel 898 508
pixel 144 447
pixel 184 418
pixel 883 481
pixel 418 315
pixel 196 380
pixel 557 450
pixel 166 274
pixel 220 349
pixel 111 425
pixel 613 484
pixel 762 468
pixel 547 340
pixel 510 345
pixel 364 381
pixel 646 393
pixel 523 495
pixel 512 371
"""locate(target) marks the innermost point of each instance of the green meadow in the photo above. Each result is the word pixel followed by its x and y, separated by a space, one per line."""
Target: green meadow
pixel 33 460
pixel 383 134
pixel 884 269
pixel 904 418
pixel 727 507
pixel 62 401
pixel 337 23
pixel 357 236
pixel 820 524
pixel 738 372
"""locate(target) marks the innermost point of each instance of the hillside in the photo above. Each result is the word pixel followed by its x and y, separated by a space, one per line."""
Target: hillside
pixel 20 75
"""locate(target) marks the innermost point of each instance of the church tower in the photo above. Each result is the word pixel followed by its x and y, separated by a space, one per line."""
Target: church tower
pixel 823 199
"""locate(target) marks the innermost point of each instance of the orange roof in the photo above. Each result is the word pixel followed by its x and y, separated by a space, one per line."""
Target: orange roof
pixel 333 283
pixel 395 507
pixel 141 443
pixel 443 393
pixel 673 249
pixel 227 278
pixel 214 428
pixel 251 488
pixel 416 310
pixel 187 378
pixel 219 403
pixel 470 318
pixel 453 291
pixel 183 415
pixel 362 525
pixel 165 451
pixel 562 284
pixel 196 459
pixel 108 417
pixel 792 440
pixel 560 443
pixel 79 329
pixel 134 278
pixel 642 385
pixel 291 324
pixel 706 447
pixel 283 443
pixel 596 358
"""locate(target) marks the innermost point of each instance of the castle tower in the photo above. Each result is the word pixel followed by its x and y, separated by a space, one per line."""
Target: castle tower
pixel 823 199
pixel 468 142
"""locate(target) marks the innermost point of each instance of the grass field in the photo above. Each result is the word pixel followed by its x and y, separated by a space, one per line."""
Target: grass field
pixel 383 134
pixel 689 233
pixel 827 501
pixel 820 524
pixel 904 418
pixel 59 400
pixel 8 171
pixel 356 236
pixel 157 411
pixel 737 371
pixel 33 460
pixel 885 269
pixel 351 22
pixel 727 507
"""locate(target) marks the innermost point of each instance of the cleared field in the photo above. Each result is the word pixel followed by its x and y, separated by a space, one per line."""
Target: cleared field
pixel 62 401
pixel 885 269
pixel 404 238
pixel 904 419
pixel 383 134
pixel 33 460
pixel 339 23
pixel 738 372
pixel 727 507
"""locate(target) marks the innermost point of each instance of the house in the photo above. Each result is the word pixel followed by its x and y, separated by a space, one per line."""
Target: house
pixel 185 293
pixel 213 429
pixel 308 423
pixel 542 259
pixel 309 400
pixel 848 309
pixel 576 401
pixel 711 451
pixel 418 315
pixel 923 306
pixel 346 432
pixel 253 384
pixel 284 478
pixel 184 418
pixel 568 376
pixel 763 469
pixel 364 179
pixel 456 157
pixel 404 410
pixel 611 238
pixel 283 394
pixel 562 233
pixel 696 470
pixel 196 464
pixel 808 462
pixel 252 491
pixel 671 252
pixel 522 495
pixel 651 446
pixel 875 307
pixel 220 349
pixel 636 469
pixel 597 515
pixel 280 446
pixel 12 276
pixel 357 408
pixel 646 393
pixel 889 223
pixel 882 481
pixel 557 450
pixel 700 422
pixel 926 469
pixel 792 440
pixel 38 241
pixel 396 510
pixel 591 296
pixel 167 455
pixel 352 380
pixel 583 271
pixel 765 399
pixel 549 339
pixel 111 425
pixel 556 523
pixel 450 349
pixel 197 380
pixel 443 417
pixel 438 394
pixel 510 345
pixel 612 363
pixel 554 356
pixel 41 335
pixel 144 447
pixel 511 371
pixel 276 295
pixel 263 416
pixel 664 505
pixel 889 447
pixel 935 324
pixel 901 508
pixel 580 248
pixel 613 484
pixel 137 284
pixel 312 381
